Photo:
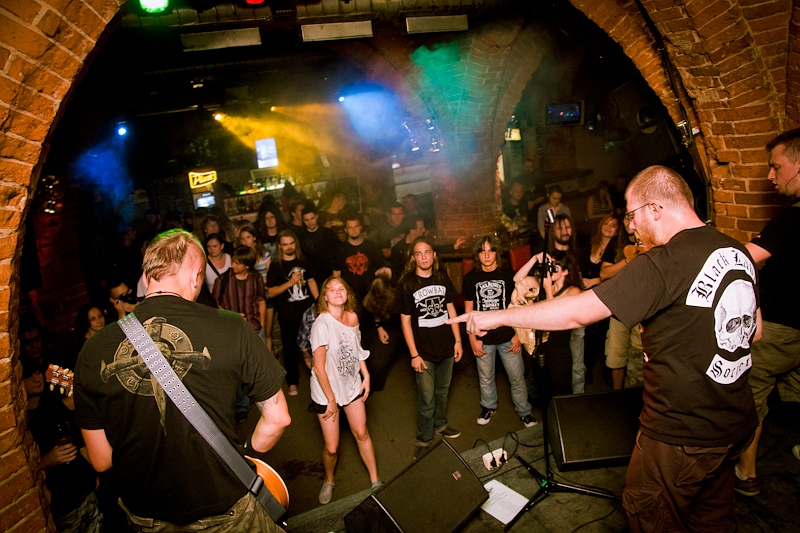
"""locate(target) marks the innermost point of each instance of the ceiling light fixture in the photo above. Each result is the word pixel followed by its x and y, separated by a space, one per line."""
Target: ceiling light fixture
pixel 154 6
pixel 336 30
pixel 437 24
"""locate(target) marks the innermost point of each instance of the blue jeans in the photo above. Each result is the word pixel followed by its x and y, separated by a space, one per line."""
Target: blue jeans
pixel 433 385
pixel 515 369
pixel 576 347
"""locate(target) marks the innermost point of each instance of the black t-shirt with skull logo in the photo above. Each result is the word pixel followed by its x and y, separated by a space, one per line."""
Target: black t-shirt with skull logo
pixel 696 299
pixel 164 469
pixel 425 300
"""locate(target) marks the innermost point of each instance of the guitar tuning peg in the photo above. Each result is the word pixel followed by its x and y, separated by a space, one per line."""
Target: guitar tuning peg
pixel 52 387
pixel 61 390
pixel 70 393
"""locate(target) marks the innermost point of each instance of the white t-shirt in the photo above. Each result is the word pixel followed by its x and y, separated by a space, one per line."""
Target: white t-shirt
pixel 342 359
pixel 211 276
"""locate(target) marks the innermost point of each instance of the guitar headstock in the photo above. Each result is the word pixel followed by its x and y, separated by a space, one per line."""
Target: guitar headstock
pixel 61 377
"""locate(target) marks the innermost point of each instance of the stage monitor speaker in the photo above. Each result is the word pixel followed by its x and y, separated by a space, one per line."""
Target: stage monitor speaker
pixel 594 430
pixel 438 492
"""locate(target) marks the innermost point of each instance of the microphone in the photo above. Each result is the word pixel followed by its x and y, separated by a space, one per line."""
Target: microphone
pixel 791 180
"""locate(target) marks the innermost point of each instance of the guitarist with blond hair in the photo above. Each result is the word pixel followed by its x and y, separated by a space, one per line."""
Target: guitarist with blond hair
pixel 169 477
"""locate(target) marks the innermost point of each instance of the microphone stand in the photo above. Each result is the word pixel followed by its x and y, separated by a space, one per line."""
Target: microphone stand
pixel 547 484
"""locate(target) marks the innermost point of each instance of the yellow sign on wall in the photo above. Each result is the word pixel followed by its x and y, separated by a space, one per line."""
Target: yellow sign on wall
pixel 201 179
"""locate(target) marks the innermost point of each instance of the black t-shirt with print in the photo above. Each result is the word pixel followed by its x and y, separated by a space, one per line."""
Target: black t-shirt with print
pixel 164 469
pixel 295 301
pixel 696 298
pixel 358 264
pixel 490 291
pixel 779 290
pixel 425 301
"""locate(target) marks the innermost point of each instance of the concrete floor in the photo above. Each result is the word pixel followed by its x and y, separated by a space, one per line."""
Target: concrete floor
pixel 391 422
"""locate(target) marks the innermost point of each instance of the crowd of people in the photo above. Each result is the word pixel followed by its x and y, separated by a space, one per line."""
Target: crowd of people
pixel 353 293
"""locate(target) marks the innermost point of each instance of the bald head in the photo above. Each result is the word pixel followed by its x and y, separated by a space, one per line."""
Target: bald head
pixel 660 205
pixel 661 185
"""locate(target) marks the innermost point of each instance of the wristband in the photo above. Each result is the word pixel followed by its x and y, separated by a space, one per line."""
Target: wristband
pixel 414 356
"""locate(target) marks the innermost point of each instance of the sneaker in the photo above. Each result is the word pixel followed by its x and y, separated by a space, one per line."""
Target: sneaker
pixel 419 450
pixel 486 415
pixel 750 486
pixel 375 484
pixel 292 390
pixel 449 433
pixel 326 493
pixel 528 420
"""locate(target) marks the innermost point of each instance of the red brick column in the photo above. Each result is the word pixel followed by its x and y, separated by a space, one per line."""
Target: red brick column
pixel 43 47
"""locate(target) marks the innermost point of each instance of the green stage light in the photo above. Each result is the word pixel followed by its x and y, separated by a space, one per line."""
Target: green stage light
pixel 154 6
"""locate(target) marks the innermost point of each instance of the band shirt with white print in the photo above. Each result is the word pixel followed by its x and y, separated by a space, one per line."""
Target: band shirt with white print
pixel 425 300
pixel 490 291
pixel 696 299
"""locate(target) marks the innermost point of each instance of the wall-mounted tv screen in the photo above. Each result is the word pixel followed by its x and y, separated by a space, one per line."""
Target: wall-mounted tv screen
pixel 267 153
pixel 564 114
pixel 204 200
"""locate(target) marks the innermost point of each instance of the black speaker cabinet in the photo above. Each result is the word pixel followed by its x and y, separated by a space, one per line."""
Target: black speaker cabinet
pixel 594 430
pixel 438 492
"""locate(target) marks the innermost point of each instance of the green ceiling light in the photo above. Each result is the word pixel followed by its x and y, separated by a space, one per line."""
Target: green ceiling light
pixel 154 6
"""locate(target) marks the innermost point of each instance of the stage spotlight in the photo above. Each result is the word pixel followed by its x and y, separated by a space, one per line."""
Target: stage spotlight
pixel 341 98
pixel 272 108
pixel 154 6
pixel 218 117
pixel 122 131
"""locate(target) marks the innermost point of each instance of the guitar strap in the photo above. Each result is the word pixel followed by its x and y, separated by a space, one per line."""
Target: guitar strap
pixel 196 415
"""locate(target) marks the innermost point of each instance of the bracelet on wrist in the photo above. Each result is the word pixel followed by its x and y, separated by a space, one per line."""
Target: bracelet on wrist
pixel 414 356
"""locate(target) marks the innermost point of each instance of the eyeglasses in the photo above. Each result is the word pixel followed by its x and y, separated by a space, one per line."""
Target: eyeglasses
pixel 629 214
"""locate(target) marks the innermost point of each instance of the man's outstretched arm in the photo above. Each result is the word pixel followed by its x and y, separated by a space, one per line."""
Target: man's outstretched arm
pixel 567 312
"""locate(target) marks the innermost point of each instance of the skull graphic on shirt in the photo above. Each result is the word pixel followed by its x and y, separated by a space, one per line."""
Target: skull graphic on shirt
pixel 735 316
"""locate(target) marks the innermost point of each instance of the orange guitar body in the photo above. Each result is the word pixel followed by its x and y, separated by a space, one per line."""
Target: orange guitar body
pixel 273 481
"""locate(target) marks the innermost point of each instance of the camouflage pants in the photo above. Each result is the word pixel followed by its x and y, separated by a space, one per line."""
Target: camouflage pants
pixel 246 516
pixel 85 519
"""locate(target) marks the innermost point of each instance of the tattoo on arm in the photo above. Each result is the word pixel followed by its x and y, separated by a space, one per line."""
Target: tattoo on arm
pixel 267 402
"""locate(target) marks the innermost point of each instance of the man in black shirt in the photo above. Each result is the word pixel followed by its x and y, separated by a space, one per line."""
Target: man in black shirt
pixel 776 250
pixel 426 296
pixel 694 291
pixel 358 260
pixel 291 284
pixel 489 287
pixel 318 244
pixel 167 474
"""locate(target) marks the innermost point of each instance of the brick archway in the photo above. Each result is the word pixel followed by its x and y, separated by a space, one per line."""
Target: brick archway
pixel 737 66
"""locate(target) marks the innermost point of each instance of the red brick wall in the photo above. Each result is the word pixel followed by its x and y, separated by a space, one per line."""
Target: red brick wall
pixel 737 66
pixel 43 47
